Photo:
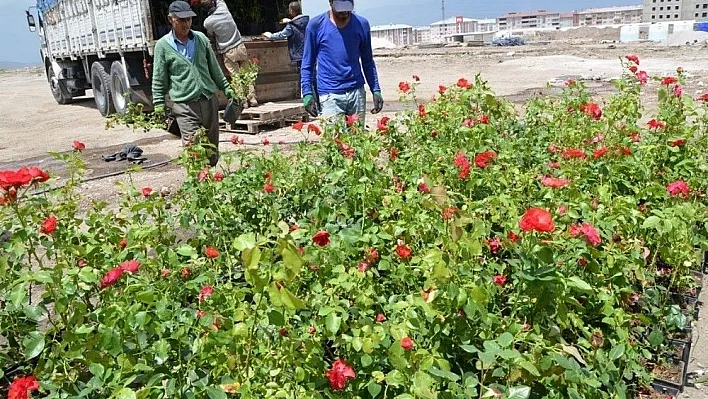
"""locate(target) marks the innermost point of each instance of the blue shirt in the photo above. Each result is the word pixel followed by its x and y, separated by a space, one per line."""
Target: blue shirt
pixel 186 49
pixel 338 56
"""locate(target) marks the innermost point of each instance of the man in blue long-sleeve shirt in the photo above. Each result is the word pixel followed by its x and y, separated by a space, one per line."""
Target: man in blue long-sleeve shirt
pixel 338 47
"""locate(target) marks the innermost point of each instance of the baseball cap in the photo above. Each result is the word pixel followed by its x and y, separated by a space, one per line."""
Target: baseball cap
pixel 343 5
pixel 181 9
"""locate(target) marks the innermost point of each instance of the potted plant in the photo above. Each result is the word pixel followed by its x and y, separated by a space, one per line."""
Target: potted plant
pixel 242 82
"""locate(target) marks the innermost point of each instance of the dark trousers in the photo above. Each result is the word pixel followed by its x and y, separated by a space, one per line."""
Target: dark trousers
pixel 194 115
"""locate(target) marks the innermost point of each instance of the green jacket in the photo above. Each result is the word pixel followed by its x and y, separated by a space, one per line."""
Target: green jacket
pixel 185 81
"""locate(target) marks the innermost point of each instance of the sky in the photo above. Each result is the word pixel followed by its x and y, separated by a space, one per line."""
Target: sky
pixel 20 45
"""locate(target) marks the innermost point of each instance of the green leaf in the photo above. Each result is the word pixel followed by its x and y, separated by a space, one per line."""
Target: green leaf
pixel 289 300
pixel 292 262
pixel 44 277
pixel 245 241
pixel 528 366
pixel 571 350
pixel 216 393
pixel 519 392
pixel 332 323
pixel 424 385
pixel 34 345
pixel 374 389
pixel 505 340
pixel 444 374
pixel 251 257
pixel 652 222
pixel 125 393
pixel 366 360
pixel 545 254
pixel 656 337
pixel 187 250
pixel 97 369
pixel 579 284
pixel 617 352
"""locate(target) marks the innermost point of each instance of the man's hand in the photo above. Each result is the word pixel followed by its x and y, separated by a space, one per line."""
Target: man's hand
pixel 378 102
pixel 267 35
pixel 230 94
pixel 159 110
pixel 309 102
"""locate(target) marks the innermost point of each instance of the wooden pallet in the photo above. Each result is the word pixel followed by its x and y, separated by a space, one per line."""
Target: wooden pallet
pixel 271 115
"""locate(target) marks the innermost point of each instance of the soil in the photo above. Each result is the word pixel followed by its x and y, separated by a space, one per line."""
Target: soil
pixel 670 372
pixel 32 124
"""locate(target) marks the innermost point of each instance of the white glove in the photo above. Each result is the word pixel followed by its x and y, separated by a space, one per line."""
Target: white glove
pixel 267 34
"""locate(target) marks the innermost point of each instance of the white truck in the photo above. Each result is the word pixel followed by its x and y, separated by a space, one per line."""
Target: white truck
pixel 107 45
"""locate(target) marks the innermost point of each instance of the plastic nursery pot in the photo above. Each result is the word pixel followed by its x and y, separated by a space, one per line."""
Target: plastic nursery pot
pixel 665 390
pixel 685 336
pixel 670 374
pixel 683 351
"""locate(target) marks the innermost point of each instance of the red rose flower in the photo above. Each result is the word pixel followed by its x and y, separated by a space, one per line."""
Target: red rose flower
pixel 592 110
pixel 147 191
pixel 314 129
pixel 669 80
pixel 268 188
pixel 165 273
pixel 442 89
pixel 500 280
pixel 626 150
pixel 211 252
pixel 449 213
pixel 463 164
pixel 393 154
pixel 363 266
pixel 37 175
pixel 407 344
pixel 554 182
pixel 123 243
pixel 321 238
pixel 463 83
pixel 79 146
pixel 483 119
pixel 537 219
pixel 130 266
pixel 468 123
pixel 111 277
pixel 513 237
pixel 352 119
pixel 403 251
pixel 633 69
pixel 482 160
pixel 205 293
pixel 574 153
pixel 21 388
pixel 404 87
pixel 49 225
pixel 81 263
pixel 656 125
pixel 203 175
pixel 678 143
pixel 588 231
pixel 185 272
pixel 372 255
pixel 218 176
pixel 633 58
pixel 298 126
pixel 677 188
pixel 265 141
pixel 600 152
pixel 678 91
pixel 703 97
pixel 234 140
pixel 495 245
pixel 380 318
pixel 382 124
pixel 423 188
pixel 643 77
pixel 340 374
pixel 421 111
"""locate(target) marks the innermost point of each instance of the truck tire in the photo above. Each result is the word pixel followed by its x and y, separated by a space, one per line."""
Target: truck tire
pixel 58 88
pixel 120 88
pixel 101 84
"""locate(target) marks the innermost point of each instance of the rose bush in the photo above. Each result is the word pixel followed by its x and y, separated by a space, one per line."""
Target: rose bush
pixel 490 255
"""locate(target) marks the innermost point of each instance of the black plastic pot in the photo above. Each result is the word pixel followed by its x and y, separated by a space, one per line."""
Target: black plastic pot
pixel 682 367
pixel 665 390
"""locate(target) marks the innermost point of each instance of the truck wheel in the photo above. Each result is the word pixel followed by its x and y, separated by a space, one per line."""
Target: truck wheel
pixel 59 91
pixel 120 88
pixel 101 84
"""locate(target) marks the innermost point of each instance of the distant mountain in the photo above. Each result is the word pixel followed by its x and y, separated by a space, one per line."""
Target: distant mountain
pixel 425 12
pixel 16 65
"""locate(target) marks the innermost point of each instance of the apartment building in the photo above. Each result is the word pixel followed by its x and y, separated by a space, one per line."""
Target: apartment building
pixel 422 35
pixel 674 10
pixel 610 16
pixel 540 19
pixel 398 34
pixel 440 29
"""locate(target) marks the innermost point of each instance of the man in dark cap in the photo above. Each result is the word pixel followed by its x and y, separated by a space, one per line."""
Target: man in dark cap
pixel 338 47
pixel 186 67
pixel 294 32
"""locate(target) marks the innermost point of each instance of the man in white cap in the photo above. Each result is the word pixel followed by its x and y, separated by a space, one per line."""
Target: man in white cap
pixel 186 67
pixel 338 48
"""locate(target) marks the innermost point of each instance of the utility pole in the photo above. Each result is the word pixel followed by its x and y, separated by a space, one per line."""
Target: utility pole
pixel 443 10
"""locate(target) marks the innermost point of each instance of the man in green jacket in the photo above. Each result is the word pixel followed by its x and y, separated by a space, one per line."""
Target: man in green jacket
pixel 186 67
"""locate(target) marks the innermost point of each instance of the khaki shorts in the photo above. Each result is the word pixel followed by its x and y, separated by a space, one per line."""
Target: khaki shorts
pixel 234 58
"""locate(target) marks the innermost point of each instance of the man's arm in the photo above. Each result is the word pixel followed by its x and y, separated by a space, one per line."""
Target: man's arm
pixel 309 57
pixel 367 59
pixel 215 69
pixel 160 79
pixel 283 34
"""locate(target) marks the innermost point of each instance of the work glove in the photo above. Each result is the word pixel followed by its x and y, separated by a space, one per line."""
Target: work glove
pixel 230 94
pixel 378 102
pixel 310 106
pixel 267 35
pixel 159 110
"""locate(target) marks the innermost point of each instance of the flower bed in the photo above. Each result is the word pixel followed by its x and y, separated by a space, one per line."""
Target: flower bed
pixel 459 250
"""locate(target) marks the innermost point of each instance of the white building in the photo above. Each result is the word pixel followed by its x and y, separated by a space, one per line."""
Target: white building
pixel 540 19
pixel 441 29
pixel 398 34
pixel 610 16
pixel 674 10
pixel 422 35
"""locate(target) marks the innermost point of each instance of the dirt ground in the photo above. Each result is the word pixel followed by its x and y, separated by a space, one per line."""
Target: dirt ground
pixel 32 124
